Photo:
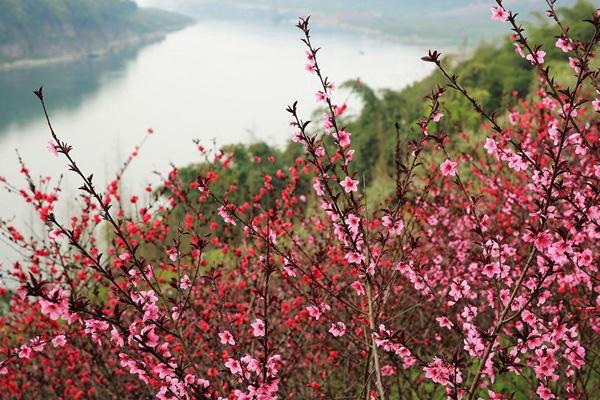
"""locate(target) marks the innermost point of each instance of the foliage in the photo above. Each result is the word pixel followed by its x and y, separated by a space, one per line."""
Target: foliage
pixel 492 73
pixel 42 28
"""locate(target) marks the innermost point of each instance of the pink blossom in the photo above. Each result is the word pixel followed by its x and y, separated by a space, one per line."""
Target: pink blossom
pixel 395 228
pixel 54 234
pixel 59 341
pixel 492 269
pixel 258 328
pixel 494 396
pixel 353 223
pixel 173 254
pixel 473 343
pixel 596 104
pixel 444 322
pixel 37 344
pixel 148 336
pixel 499 14
pixel 585 258
pixel 234 366
pixel 448 167
pixel 442 373
pixel 226 216
pixel 491 147
pixel 189 379
pixel 321 96
pixel 314 312
pixel 544 393
pixel 349 156
pixel 116 337
pixel 185 282
pixel 338 329
pixel 359 287
pixel 349 184
pixel 574 64
pixel 327 122
pixel 519 50
pixel 51 146
pixel 150 312
pixel 354 257
pixel 458 290
pixel 318 187
pixel 57 306
pixel 513 117
pixel 515 161
pixel 568 110
pixel 469 313
pixel 289 268
pixel 297 137
pixel 227 338
pixel 340 110
pixel 251 364
pixel 537 57
pixel 203 383
pixel 342 137
pixel 145 297
pixel 25 351
pixel 388 370
pixel 564 44
pixel 542 241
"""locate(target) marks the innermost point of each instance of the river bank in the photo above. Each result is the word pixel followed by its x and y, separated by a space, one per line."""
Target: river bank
pixel 110 47
pixel 34 33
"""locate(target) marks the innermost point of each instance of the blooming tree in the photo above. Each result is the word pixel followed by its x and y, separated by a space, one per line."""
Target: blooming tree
pixel 478 278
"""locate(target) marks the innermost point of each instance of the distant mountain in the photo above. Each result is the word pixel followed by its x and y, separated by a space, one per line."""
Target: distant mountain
pixel 447 21
pixel 42 29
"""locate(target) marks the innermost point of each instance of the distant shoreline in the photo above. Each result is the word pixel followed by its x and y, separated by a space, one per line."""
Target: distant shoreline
pixel 110 47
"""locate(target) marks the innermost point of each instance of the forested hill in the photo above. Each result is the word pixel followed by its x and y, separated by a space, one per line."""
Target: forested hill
pixel 490 74
pixel 410 21
pixel 38 29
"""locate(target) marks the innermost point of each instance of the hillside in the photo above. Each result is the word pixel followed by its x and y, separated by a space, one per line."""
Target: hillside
pixel 42 29
pixel 490 73
pixel 404 20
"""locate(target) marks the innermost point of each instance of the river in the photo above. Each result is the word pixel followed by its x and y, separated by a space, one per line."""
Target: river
pixel 216 80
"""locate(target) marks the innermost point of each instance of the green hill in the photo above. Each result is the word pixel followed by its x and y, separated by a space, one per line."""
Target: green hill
pixel 41 29
pixel 490 73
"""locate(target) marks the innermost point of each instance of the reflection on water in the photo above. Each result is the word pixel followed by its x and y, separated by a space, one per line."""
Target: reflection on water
pixel 216 80
pixel 70 83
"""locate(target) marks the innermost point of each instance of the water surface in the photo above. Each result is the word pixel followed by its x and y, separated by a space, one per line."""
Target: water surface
pixel 222 81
